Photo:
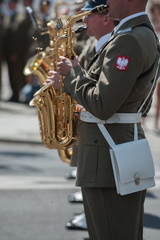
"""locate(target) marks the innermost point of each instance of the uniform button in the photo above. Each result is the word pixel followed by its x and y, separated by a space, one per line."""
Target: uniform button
pixel 95 141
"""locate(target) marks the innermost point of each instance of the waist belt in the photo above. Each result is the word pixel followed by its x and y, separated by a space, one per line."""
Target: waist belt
pixel 116 118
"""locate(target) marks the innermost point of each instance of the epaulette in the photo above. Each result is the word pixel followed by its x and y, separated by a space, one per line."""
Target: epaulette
pixel 124 30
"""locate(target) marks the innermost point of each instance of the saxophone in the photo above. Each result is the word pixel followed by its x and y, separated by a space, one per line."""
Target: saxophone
pixel 55 108
pixel 41 63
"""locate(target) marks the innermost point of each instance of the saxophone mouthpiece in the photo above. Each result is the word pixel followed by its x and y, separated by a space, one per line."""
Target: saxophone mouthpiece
pixel 99 8
pixel 80 29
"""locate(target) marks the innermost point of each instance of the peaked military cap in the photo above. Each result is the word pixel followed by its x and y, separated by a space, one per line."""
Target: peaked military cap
pixel 44 2
pixel 93 3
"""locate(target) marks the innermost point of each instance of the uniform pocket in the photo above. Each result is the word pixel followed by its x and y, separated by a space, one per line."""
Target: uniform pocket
pixel 88 164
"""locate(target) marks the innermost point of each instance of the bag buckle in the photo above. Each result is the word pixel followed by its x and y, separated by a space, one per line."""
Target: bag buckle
pixel 137 179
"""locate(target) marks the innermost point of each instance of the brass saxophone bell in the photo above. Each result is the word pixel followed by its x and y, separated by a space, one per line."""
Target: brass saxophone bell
pixel 35 100
pixel 44 88
pixel 31 103
pixel 33 63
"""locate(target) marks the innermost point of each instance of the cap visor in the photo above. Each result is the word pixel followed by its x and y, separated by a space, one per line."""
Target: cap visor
pixel 88 7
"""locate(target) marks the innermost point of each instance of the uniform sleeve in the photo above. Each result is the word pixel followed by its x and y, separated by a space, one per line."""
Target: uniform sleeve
pixel 121 66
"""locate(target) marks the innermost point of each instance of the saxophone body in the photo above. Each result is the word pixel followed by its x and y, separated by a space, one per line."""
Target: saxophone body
pixel 56 109
pixel 56 117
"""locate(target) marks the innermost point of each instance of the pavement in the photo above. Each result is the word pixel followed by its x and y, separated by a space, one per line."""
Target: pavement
pixel 19 123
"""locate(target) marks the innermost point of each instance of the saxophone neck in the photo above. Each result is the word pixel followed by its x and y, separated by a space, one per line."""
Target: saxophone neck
pixel 74 18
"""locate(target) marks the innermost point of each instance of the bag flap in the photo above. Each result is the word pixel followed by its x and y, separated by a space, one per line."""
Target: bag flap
pixel 133 159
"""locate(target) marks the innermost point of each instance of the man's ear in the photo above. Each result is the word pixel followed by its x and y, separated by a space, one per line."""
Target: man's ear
pixel 106 19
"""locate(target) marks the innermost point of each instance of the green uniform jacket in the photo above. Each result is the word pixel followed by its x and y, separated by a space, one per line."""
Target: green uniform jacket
pixel 85 58
pixel 112 85
pixel 87 53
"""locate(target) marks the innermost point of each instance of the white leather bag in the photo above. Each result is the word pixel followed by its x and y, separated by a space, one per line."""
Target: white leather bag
pixel 132 164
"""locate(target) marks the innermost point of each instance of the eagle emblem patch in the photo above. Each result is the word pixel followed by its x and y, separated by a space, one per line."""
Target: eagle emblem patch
pixel 122 63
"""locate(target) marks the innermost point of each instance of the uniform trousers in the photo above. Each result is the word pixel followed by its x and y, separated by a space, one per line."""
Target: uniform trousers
pixel 111 216
pixel 16 76
pixel 0 79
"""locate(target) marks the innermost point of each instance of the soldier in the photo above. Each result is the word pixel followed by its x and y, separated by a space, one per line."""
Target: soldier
pixel 1 37
pixel 17 43
pixel 44 11
pixel 11 48
pixel 45 17
pixel 110 87
pixel 82 36
pixel 93 45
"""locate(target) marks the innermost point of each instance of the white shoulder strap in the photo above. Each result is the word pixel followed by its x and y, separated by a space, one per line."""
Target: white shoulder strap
pixel 108 137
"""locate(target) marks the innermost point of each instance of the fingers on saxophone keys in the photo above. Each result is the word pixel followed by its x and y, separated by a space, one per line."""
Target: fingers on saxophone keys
pixel 62 58
pixel 48 81
pixel 51 73
pixel 54 78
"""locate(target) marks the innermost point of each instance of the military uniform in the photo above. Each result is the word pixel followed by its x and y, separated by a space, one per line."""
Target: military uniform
pixel 44 40
pixel 85 58
pixel 80 41
pixel 1 31
pixel 115 83
pixel 17 41
pixel 88 52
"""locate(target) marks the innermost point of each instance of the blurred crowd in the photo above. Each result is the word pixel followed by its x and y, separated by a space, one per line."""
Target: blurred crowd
pixel 17 44
pixel 155 18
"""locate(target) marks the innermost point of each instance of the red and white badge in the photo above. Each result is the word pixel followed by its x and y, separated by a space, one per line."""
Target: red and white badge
pixel 122 63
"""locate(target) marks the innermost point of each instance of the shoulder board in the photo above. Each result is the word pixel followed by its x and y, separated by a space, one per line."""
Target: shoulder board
pixel 125 30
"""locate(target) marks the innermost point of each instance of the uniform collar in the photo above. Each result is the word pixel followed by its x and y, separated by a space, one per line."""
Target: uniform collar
pixel 104 39
pixel 125 20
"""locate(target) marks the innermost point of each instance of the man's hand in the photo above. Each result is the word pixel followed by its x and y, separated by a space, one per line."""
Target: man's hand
pixel 54 78
pixel 65 65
